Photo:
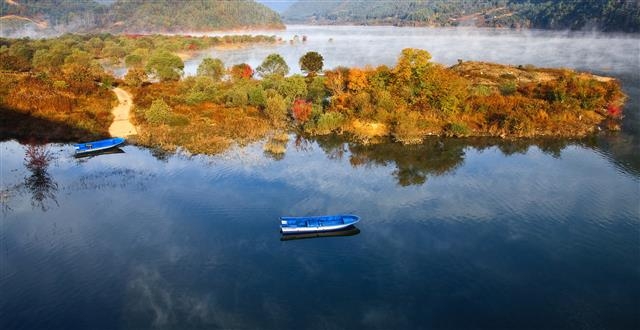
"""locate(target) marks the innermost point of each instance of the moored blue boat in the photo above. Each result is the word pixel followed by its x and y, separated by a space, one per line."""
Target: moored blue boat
pixel 296 225
pixel 98 145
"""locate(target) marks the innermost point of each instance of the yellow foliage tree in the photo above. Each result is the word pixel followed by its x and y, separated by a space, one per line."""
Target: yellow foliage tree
pixel 357 80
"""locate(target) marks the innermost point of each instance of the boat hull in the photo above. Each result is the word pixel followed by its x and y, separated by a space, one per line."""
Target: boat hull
pixel 303 225
pixel 101 145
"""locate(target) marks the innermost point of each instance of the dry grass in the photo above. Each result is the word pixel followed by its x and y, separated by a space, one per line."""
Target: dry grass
pixel 60 114
pixel 204 128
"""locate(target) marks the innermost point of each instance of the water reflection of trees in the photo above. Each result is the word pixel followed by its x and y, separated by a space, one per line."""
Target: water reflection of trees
pixel 435 157
pixel 414 163
pixel 40 183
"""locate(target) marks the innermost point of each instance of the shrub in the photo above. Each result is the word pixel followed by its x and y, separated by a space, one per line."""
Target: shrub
pixel 178 120
pixel 60 84
pixel 329 122
pixel 276 109
pixel 158 113
pixel 257 96
pixel 135 77
pixel 508 88
pixel 481 90
pixel 457 129
pixel 237 97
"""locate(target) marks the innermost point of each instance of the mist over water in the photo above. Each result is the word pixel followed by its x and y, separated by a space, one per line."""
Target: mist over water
pixel 358 46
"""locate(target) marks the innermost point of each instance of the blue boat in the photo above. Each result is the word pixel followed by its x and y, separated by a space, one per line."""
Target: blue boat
pixel 100 145
pixel 298 225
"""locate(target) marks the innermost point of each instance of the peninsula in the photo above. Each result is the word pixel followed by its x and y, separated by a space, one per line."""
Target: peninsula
pixel 56 89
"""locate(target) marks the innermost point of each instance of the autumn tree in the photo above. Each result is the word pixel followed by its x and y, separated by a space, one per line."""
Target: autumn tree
pixel 336 81
pixel 412 65
pixel 301 110
pixel 274 64
pixel 241 71
pixel 165 66
pixel 357 80
pixel 80 78
pixel 276 109
pixel 211 67
pixel 311 63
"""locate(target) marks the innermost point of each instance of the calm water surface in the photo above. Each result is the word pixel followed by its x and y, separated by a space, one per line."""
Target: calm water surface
pixel 454 233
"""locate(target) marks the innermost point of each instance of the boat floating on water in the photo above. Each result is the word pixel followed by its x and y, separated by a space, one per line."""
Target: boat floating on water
pixel 100 145
pixel 313 224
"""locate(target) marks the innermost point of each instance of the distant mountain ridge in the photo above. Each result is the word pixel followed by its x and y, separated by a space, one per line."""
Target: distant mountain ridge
pixel 601 15
pixel 277 5
pixel 33 17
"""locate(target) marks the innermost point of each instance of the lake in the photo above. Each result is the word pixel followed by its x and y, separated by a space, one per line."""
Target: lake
pixel 455 233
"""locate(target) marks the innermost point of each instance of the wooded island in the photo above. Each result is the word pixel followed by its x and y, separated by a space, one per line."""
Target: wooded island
pixel 57 89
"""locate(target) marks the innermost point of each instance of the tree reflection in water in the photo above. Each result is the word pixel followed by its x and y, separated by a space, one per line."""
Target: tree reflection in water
pixel 40 183
pixel 4 200
pixel 414 163
pixel 434 157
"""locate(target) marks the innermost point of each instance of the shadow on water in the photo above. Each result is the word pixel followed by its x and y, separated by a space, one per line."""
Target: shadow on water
pixel 88 155
pixel 349 231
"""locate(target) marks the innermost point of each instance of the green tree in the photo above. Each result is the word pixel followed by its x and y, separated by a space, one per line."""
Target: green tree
pixel 412 65
pixel 311 63
pixel 293 87
pixel 316 90
pixel 113 51
pixel 137 58
pixel 133 60
pixel 211 67
pixel 274 64
pixel 165 66
pixel 79 57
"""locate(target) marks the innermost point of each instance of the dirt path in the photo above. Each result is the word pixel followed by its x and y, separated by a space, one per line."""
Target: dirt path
pixel 121 125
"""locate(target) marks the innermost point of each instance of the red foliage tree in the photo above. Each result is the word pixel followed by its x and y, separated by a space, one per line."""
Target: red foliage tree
pixel 241 71
pixel 301 110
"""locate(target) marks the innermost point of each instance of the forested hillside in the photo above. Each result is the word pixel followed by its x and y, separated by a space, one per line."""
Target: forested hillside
pixel 38 17
pixel 604 15
pixel 174 16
